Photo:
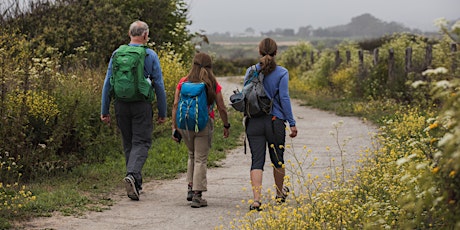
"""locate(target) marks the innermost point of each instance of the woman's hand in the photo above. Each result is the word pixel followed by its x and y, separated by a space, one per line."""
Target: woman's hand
pixel 176 136
pixel 293 132
pixel 226 132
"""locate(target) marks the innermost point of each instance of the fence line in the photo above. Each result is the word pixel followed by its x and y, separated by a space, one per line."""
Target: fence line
pixel 408 65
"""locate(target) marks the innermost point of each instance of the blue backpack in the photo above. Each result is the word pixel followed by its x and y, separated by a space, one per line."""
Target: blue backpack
pixel 192 112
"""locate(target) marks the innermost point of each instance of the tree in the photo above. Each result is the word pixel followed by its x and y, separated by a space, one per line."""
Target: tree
pixel 101 25
pixel 250 30
pixel 305 31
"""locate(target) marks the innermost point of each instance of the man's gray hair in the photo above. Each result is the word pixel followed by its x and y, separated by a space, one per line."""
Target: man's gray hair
pixel 138 28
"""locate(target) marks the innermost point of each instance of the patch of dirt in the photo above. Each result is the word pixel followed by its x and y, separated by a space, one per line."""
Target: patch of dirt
pixel 163 204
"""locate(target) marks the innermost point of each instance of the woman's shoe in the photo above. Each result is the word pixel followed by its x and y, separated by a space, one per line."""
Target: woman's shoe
pixel 198 201
pixel 282 198
pixel 189 193
pixel 256 207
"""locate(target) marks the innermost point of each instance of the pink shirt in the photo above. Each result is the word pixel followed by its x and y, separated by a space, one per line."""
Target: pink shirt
pixel 218 90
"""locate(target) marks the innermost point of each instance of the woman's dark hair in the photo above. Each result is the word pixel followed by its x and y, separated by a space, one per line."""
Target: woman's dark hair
pixel 267 49
pixel 201 71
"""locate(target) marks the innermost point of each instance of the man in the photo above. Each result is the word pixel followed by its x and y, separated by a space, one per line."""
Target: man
pixel 134 119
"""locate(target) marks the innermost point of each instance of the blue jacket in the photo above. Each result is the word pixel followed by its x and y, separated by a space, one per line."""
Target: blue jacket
pixel 152 68
pixel 277 81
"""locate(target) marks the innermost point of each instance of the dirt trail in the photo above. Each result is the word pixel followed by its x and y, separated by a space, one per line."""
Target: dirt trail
pixel 163 204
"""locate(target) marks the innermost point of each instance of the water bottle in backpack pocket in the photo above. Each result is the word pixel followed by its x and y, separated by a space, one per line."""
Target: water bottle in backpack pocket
pixel 128 80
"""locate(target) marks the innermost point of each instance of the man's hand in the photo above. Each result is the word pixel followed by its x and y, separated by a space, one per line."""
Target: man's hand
pixel 161 120
pixel 105 118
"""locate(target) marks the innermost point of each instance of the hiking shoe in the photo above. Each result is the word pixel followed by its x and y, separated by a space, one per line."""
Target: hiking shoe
pixel 131 188
pixel 198 201
pixel 189 193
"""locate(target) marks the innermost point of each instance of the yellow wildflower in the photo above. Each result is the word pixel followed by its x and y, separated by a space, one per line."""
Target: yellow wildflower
pixel 433 126
pixel 435 170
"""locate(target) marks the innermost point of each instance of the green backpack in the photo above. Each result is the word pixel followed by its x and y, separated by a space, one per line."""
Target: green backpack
pixel 128 80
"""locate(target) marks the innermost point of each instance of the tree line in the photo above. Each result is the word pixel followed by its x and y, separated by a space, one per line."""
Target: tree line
pixel 95 26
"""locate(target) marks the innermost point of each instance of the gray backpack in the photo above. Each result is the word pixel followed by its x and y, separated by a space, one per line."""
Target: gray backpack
pixel 252 100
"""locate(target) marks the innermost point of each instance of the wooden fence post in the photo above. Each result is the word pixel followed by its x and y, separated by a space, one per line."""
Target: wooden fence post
pixel 391 65
pixel 304 55
pixel 361 74
pixel 428 56
pixel 312 57
pixel 338 60
pixel 376 56
pixel 348 55
pixel 453 50
pixel 408 60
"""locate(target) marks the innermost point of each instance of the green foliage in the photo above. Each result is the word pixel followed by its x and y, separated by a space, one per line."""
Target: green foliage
pixel 104 27
pixel 173 68
pixel 297 56
pixel 393 85
pixel 446 161
pixel 318 76
pixel 13 196
pixel 50 99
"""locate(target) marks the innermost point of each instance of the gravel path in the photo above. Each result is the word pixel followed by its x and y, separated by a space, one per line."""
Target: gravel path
pixel 163 204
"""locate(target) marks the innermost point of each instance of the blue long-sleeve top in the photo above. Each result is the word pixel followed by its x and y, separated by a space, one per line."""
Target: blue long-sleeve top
pixel 278 81
pixel 151 67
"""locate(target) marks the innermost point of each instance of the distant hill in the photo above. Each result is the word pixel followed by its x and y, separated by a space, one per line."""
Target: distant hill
pixel 362 26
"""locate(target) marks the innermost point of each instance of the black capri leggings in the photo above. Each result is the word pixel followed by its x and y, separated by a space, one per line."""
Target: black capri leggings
pixel 262 132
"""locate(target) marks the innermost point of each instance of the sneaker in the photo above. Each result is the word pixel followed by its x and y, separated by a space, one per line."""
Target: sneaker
pixel 189 193
pixel 139 188
pixel 198 201
pixel 131 188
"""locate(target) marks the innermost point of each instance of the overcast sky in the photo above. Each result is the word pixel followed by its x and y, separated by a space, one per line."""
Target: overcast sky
pixel 264 15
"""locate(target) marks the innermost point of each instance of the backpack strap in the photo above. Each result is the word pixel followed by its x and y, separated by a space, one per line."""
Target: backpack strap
pixel 250 78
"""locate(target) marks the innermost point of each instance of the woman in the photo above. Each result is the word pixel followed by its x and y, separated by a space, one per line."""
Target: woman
pixel 270 129
pixel 199 143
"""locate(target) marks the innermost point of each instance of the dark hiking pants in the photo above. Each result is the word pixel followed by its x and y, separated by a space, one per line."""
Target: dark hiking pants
pixel 262 132
pixel 134 119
